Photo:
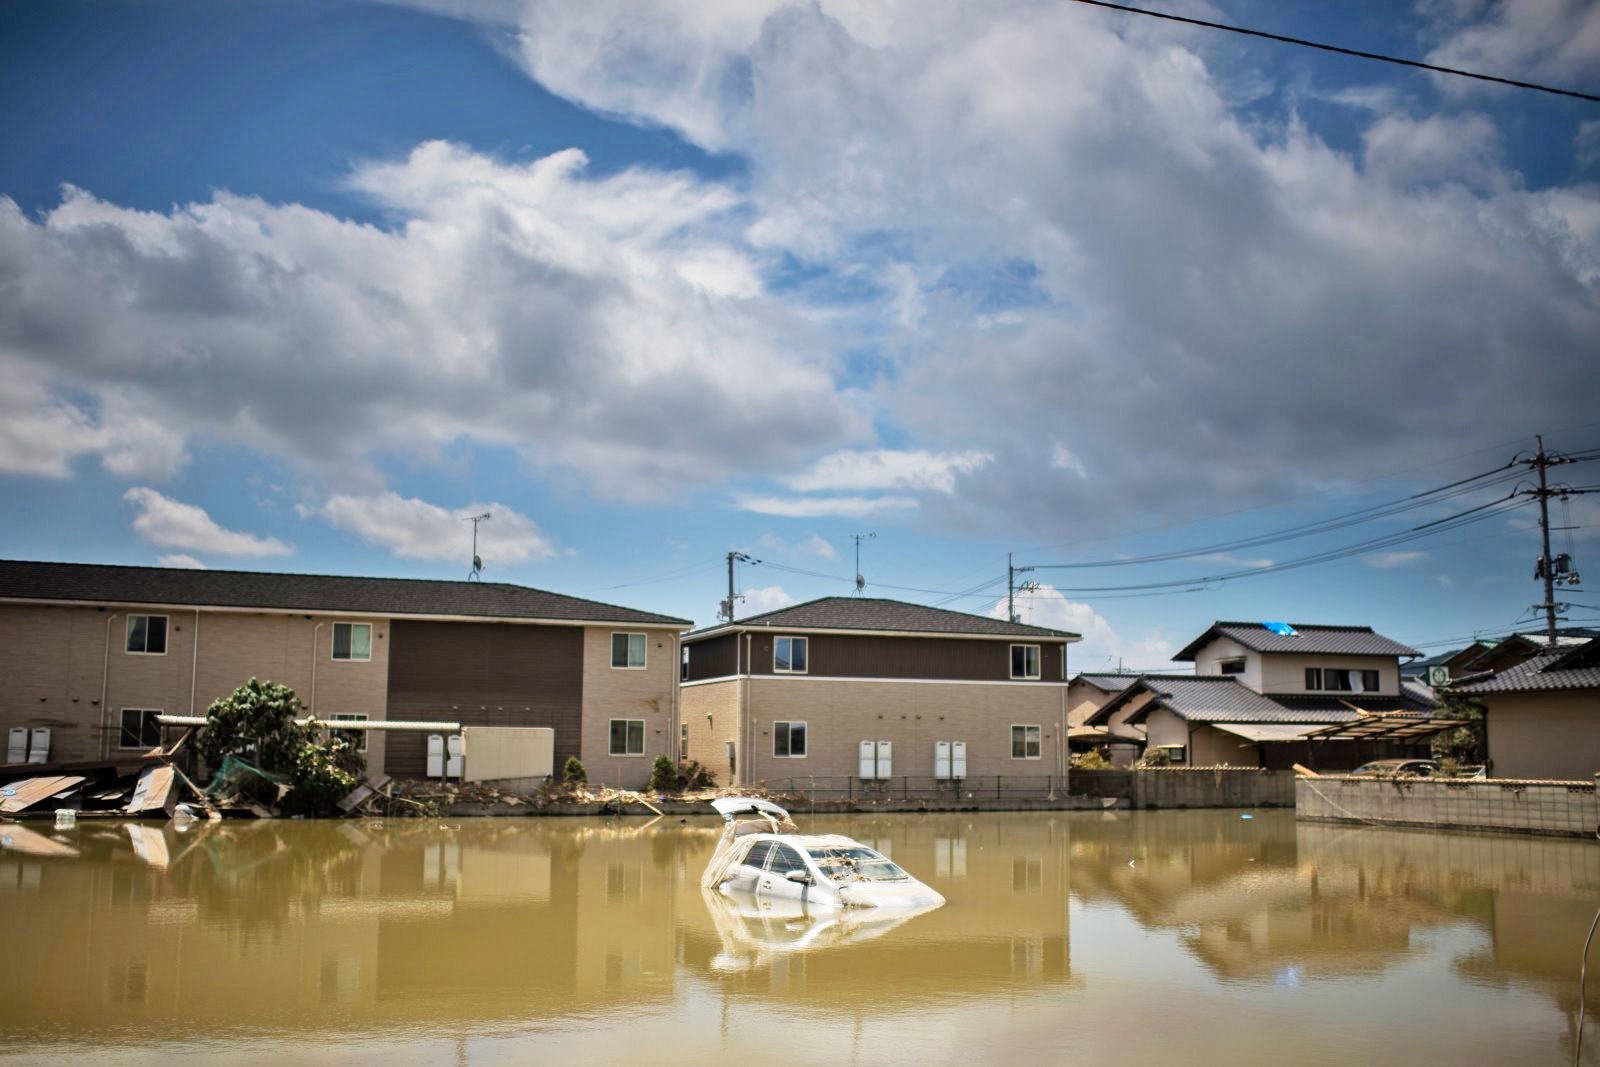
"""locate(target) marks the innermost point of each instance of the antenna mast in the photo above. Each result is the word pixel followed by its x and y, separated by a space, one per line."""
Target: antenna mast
pixel 474 575
pixel 861 582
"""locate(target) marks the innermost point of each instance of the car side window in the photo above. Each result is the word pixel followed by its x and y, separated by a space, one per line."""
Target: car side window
pixel 785 859
pixel 757 856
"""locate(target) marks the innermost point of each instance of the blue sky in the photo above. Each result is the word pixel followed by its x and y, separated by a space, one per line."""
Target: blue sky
pixel 299 285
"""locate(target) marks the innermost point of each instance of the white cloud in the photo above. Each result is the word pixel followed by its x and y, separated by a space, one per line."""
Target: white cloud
pixel 887 469
pixel 767 598
pixel 169 523
pixel 1102 648
pixel 586 321
pixel 1553 40
pixel 180 559
pixel 41 434
pixel 1438 148
pixel 1062 459
pixel 815 545
pixel 811 507
pixel 1387 561
pixel 1004 185
pixel 415 529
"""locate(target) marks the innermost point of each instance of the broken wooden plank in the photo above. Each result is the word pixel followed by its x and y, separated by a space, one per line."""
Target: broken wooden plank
pixel 154 792
pixel 20 796
pixel 361 794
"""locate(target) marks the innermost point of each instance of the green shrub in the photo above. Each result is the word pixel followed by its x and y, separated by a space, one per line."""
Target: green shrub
pixel 256 723
pixel 693 776
pixel 323 774
pixel 573 773
pixel 1155 757
pixel 663 776
pixel 1091 760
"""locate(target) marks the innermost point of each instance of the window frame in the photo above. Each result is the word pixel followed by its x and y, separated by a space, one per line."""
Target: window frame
pixel 1240 661
pixel 683 669
pixel 333 643
pixel 805 644
pixel 1038 740
pixel 122 727
pixel 627 736
pixel 127 636
pixel 1313 679
pixel 788 733
pixel 1375 677
pixel 360 736
pixel 683 742
pixel 1328 673
pixel 1038 663
pixel 644 650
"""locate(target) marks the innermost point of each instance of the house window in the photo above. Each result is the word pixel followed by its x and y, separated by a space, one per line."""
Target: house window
pixel 1369 680
pixel 627 651
pixel 627 737
pixel 356 738
pixel 1024 739
pixel 139 728
pixel 683 741
pixel 147 635
pixel 683 671
pixel 789 739
pixel 790 655
pixel 1313 678
pixel 1024 661
pixel 1231 666
pixel 352 641
pixel 1175 753
pixel 1336 679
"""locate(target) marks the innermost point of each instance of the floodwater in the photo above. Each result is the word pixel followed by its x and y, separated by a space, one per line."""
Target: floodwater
pixel 1153 937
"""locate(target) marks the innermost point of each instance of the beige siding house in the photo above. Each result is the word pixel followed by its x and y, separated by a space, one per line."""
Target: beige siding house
pixel 92 653
pixel 1543 718
pixel 794 694
pixel 1261 691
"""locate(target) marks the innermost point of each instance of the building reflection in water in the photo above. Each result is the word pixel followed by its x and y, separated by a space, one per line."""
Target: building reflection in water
pixel 117 934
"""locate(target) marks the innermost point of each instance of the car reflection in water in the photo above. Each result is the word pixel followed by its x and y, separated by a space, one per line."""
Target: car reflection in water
pixel 755 929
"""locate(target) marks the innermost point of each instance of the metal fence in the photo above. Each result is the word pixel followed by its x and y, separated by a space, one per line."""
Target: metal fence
pixel 911 787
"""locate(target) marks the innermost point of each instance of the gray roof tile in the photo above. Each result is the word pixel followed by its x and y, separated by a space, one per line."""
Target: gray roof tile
pixel 1308 637
pixel 99 583
pixel 869 613
pixel 1562 668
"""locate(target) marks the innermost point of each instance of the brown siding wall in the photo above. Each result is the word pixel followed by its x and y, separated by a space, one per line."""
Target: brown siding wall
pixel 714 658
pixel 483 674
pixel 945 658
pixel 624 693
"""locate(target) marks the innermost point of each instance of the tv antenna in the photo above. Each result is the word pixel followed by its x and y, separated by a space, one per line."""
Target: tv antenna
pixel 475 575
pixel 861 582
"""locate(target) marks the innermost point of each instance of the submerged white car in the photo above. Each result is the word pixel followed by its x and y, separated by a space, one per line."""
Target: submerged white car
pixel 761 853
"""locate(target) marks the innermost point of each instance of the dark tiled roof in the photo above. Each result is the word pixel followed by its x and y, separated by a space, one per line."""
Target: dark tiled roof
pixel 98 583
pixel 1223 698
pixel 1308 637
pixel 867 613
pixel 1107 683
pixel 1562 668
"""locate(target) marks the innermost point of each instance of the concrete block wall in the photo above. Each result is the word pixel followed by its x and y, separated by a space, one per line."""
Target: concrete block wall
pixel 1189 787
pixel 1568 809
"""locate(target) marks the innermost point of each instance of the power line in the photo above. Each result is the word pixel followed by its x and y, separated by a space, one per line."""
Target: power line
pixel 1339 50
pixel 1338 522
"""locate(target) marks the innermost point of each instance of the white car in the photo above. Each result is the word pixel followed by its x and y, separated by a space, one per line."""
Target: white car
pixel 762 854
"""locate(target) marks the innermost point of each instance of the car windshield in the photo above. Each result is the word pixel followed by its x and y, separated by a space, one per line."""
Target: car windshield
pixel 856 860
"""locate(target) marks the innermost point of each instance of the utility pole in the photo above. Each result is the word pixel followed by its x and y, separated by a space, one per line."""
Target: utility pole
pixel 1550 569
pixel 861 582
pixel 1545 565
pixel 727 605
pixel 1012 589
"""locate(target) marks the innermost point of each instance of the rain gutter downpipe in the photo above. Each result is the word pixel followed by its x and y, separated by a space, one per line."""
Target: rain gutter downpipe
pixel 105 678
pixel 314 632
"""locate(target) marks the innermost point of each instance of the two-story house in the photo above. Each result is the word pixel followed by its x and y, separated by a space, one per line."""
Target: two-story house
pixel 90 655
pixel 1261 691
pixel 855 687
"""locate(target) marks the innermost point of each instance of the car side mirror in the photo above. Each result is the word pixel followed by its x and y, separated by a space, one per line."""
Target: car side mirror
pixel 799 876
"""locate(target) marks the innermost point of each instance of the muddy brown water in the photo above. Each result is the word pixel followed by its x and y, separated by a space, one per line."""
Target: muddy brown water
pixel 1148 937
